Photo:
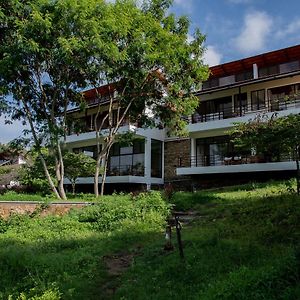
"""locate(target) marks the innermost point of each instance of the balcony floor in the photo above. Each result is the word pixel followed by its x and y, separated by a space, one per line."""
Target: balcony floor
pixel 242 168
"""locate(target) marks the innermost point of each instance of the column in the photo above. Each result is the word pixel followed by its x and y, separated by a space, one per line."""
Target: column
pixel 148 162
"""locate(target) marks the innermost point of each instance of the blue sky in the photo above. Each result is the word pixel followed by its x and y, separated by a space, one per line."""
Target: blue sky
pixel 240 28
pixel 234 29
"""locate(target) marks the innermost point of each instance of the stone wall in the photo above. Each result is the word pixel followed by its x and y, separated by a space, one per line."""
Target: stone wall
pixel 176 152
pixel 8 208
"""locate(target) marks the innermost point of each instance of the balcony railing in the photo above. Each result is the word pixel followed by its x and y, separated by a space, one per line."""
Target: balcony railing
pixel 223 160
pixel 271 105
pixel 126 170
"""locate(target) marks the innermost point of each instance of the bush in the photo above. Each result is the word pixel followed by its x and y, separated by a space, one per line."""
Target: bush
pixel 114 212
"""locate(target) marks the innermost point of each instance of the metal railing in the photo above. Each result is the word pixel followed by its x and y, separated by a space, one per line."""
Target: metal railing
pixel 226 160
pixel 126 170
pixel 270 105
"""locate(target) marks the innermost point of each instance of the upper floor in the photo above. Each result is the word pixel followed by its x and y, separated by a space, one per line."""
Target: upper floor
pixel 254 68
pixel 235 91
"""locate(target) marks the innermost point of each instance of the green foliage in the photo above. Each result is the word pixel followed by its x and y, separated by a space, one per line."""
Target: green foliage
pixel 274 135
pixel 61 257
pixel 78 165
pixel 5 170
pixel 106 215
pixel 244 245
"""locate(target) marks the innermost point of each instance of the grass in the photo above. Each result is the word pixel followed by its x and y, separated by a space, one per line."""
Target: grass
pixel 245 244
pixel 15 196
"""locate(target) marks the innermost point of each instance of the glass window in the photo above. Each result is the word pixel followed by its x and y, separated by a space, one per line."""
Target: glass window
pixel 115 149
pixel 214 82
pixel 240 103
pixel 244 76
pixel 258 100
pixel 267 71
pixel 128 160
pixel 226 80
pixel 126 150
pixel 139 146
pixel 289 67
pixel 87 150
pixel 156 158
pixel 211 151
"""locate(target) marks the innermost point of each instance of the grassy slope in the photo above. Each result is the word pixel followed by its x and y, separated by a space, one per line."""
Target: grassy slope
pixel 244 246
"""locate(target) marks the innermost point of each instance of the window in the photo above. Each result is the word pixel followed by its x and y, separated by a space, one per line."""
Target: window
pixel 280 97
pixel 289 67
pixel 214 82
pixel 211 151
pixel 240 103
pixel 226 80
pixel 267 71
pixel 88 150
pixel 156 158
pixel 244 76
pixel 127 160
pixel 258 100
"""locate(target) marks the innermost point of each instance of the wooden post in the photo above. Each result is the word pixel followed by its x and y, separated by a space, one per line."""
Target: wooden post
pixel 168 236
pixel 178 229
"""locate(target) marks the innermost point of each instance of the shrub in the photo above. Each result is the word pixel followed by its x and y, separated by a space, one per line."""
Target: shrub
pixel 111 213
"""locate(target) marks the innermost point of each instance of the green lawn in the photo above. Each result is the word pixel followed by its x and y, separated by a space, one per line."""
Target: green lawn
pixel 244 244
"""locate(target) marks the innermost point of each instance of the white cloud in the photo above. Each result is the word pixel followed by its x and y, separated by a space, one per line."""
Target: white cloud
pixel 292 28
pixel 212 56
pixel 255 31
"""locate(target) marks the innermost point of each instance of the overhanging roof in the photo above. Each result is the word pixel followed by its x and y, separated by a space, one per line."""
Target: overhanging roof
pixel 262 60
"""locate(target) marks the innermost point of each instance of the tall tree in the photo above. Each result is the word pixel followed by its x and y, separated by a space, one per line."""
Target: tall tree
pixel 41 68
pixel 151 70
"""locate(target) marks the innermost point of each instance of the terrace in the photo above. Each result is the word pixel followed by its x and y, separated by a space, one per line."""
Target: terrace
pixel 210 164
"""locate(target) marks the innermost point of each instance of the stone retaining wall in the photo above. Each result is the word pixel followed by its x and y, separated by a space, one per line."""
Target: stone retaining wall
pixel 8 208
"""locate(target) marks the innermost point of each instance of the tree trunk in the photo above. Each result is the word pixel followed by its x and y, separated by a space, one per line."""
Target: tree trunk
pixel 73 187
pixel 61 188
pixel 37 143
pixel 105 167
pixel 50 181
pixel 96 177
pixel 104 175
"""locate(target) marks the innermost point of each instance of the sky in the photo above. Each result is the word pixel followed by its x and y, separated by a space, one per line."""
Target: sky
pixel 234 29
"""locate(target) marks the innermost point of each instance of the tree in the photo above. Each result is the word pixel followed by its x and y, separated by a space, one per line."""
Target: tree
pixel 272 137
pixel 140 52
pixel 41 69
pixel 143 56
pixel 78 165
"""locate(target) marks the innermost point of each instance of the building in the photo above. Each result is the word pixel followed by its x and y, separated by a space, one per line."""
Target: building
pixel 235 92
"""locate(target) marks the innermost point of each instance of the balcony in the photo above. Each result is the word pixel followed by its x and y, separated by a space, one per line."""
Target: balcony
pixel 216 164
pixel 272 106
pixel 224 119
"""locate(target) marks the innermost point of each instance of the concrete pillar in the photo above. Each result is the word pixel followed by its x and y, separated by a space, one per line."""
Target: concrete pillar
pixel 148 162
pixel 255 71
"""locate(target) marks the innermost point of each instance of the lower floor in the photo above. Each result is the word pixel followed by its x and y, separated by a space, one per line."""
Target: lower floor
pixel 200 161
